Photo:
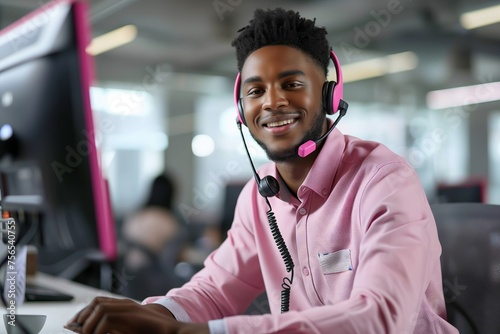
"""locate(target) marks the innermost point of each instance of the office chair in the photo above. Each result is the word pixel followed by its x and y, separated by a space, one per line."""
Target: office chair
pixel 470 238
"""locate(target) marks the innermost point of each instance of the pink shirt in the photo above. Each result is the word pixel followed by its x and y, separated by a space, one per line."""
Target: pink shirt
pixel 363 241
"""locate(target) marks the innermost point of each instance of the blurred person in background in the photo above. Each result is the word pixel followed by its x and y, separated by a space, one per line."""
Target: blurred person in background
pixel 152 243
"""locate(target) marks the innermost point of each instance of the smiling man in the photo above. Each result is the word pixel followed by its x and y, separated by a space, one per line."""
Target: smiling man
pixel 348 217
pixel 282 102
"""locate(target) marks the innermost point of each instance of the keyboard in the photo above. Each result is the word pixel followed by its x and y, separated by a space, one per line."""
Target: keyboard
pixel 36 293
pixel 68 331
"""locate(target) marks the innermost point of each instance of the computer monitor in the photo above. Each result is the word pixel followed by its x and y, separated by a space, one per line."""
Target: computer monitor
pixel 49 163
pixel 231 193
pixel 473 190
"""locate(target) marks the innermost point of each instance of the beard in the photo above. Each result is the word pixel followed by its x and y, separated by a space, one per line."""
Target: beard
pixel 293 153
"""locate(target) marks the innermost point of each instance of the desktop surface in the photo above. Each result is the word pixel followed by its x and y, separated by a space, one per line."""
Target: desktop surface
pixel 59 313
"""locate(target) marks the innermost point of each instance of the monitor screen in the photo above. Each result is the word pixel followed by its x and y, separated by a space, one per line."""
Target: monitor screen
pixel 231 194
pixel 468 191
pixel 49 162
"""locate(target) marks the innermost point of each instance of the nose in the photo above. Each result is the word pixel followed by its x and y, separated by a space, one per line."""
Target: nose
pixel 274 99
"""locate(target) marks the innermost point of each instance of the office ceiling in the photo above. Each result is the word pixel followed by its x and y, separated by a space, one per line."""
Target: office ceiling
pixel 194 35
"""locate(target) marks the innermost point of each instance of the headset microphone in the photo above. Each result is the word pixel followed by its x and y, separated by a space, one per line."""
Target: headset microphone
pixel 310 146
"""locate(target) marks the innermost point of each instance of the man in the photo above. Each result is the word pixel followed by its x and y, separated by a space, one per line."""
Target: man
pixel 352 214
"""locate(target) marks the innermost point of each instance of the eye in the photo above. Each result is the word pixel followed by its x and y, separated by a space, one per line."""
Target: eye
pixel 254 92
pixel 293 84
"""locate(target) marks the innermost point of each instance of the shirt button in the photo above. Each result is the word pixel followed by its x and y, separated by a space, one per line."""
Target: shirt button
pixel 305 271
pixel 302 211
pixel 325 192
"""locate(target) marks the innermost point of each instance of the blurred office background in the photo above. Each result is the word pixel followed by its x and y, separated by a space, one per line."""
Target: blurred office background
pixel 163 100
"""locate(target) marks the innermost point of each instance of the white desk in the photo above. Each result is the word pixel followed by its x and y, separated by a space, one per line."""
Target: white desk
pixel 59 313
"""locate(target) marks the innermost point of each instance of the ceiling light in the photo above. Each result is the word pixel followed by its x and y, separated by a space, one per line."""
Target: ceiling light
pixel 463 96
pixel 378 67
pixel 202 145
pixel 112 40
pixel 481 17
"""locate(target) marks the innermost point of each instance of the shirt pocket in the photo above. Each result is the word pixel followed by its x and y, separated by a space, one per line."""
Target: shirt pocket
pixel 336 262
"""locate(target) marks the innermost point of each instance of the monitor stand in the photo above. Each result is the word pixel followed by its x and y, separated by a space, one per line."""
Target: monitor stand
pixel 72 268
pixel 77 265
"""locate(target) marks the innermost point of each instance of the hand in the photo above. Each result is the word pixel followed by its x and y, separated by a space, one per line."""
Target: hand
pixel 122 316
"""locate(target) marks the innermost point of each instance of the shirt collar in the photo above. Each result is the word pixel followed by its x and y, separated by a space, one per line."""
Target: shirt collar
pixel 320 177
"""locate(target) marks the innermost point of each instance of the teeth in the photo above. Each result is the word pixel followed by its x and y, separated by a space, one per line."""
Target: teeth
pixel 280 123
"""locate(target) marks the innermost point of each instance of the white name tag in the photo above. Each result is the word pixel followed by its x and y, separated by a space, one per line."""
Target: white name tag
pixel 335 262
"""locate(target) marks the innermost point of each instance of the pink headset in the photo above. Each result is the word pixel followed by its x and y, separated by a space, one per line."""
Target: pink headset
pixel 332 92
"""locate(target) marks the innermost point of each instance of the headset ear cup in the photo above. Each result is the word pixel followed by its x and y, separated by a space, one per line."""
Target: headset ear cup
pixel 324 95
pixel 240 112
pixel 328 91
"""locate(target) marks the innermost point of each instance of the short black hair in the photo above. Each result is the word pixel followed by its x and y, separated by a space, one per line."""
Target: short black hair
pixel 282 27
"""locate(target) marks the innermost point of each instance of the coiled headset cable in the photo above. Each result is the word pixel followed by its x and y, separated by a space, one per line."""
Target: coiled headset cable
pixel 269 187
